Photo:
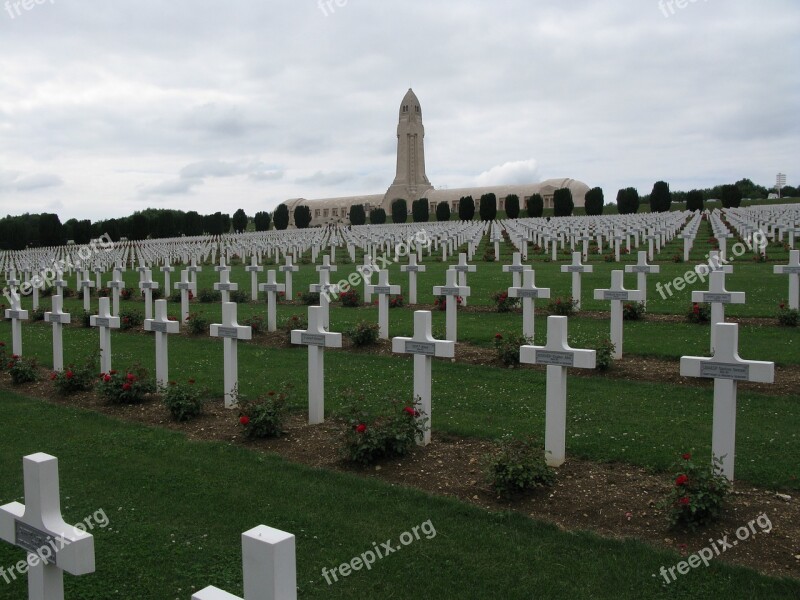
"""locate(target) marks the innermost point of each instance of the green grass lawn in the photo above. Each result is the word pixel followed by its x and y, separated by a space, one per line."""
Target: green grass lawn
pixel 177 509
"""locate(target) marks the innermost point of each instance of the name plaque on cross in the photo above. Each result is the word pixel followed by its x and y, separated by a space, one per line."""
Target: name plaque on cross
pixel 225 287
pixel 269 287
pixel 228 332
pixel 523 293
pixel 549 357
pixel 607 295
pixel 411 268
pixel 719 298
pixel 424 348
pixel 461 268
pixel 116 284
pixel 102 322
pixel 312 339
pixel 515 268
pixel 725 371
pixel 382 289
pixel 158 327
pixel 31 539
pixel 450 291
pixel 149 285
pixel 15 314
pixel 639 269
pixel 790 271
pixel 55 318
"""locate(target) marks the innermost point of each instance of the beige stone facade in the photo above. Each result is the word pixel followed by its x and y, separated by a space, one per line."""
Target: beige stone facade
pixel 411 181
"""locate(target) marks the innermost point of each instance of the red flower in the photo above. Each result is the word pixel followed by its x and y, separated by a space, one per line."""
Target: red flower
pixel 70 374
pixel 130 377
pixel 686 456
pixel 15 356
pixel 54 376
pixel 126 387
pixel 681 480
pixel 498 336
pixel 2 344
pixel 410 410
pixel 244 420
pixel 361 428
pixel 684 501
pixel 782 305
pixel 106 378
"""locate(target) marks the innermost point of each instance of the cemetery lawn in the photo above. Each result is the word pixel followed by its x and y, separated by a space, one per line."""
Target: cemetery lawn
pixel 177 508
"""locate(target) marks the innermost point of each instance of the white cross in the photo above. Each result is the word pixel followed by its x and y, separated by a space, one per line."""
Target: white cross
pixel 452 291
pixel 793 271
pixel 11 279
pixel 105 323
pixel 366 270
pixel 147 285
pixel 254 269
pixel 272 287
pixel 116 285
pixel 424 347
pixel 60 284
pixel 557 355
pixel 270 567
pixel 462 268
pixel 412 268
pixel 167 270
pixel 37 527
pixel 325 290
pixel 383 290
pixel 726 368
pixel 98 272
pixel 194 269
pixel 287 270
pixel 231 332
pixel 528 292
pixel 317 339
pixel 222 266
pixel 715 263
pixel 718 297
pixel 642 269
pixel 184 285
pixel 162 327
pixel 617 294
pixel 651 237
pixel 225 286
pixel 58 318
pixel 86 284
pixel 577 268
pixel 326 264
pixel 17 315
pixel 618 237
pixel 515 268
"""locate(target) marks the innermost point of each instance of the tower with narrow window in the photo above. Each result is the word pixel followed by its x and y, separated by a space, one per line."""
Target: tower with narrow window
pixel 410 182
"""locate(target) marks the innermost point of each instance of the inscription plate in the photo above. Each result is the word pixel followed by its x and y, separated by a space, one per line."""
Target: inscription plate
pixel 158 326
pixel 725 371
pixel 527 293
pixel 410 268
pixel 607 295
pixel 312 339
pixel 31 539
pixel 515 268
pixel 57 318
pixel 102 322
pixel 270 287
pixel 575 269
pixel 426 348
pixel 148 285
pixel 228 332
pixel 791 271
pixel 451 291
pixel 640 269
pixel 561 359
pixel 383 289
pixel 17 314
pixel 719 298
pixel 226 287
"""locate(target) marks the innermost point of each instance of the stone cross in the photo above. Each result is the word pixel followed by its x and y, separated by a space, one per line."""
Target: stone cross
pixel 17 315
pixel 105 323
pixel 651 237
pixel 366 270
pixel 726 368
pixel 618 237
pixel 194 269
pixel 167 270
pixel 496 239
pixel 98 272
pixel 515 268
pixel 424 347
pixel 116 285
pixel 270 567
pixel 147 285
pixel 452 291
pixel 58 318
pixel 326 264
pixel 577 268
pixel 558 356
pixel 287 270
pixel 254 269
pixel 325 289
pixel 225 286
pixel 383 290
pixel 317 338
pixel 184 285
pixel 60 284
pixel 617 294
pixel 713 265
pixel 412 268
pixel 162 327
pixel 86 284
pixel 642 269
pixel 272 287
pixel 462 268
pixel 37 527
pixel 528 292
pixel 718 297
pixel 222 266
pixel 231 332
pixel 793 271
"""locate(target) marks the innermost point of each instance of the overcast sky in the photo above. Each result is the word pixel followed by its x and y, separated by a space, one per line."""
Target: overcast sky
pixel 107 107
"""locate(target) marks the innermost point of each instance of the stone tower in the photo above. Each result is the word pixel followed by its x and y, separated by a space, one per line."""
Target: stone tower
pixel 411 182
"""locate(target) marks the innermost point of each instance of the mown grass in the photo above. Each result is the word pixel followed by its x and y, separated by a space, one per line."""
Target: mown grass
pixel 177 509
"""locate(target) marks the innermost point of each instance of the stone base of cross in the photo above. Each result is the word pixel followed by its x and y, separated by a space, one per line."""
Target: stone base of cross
pixel 231 332
pixel 37 527
pixel 270 567
pixel 317 338
pixel 577 268
pixel 558 356
pixel 726 368
pixel 617 294
pixel 383 290
pixel 424 347
pixel 452 291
